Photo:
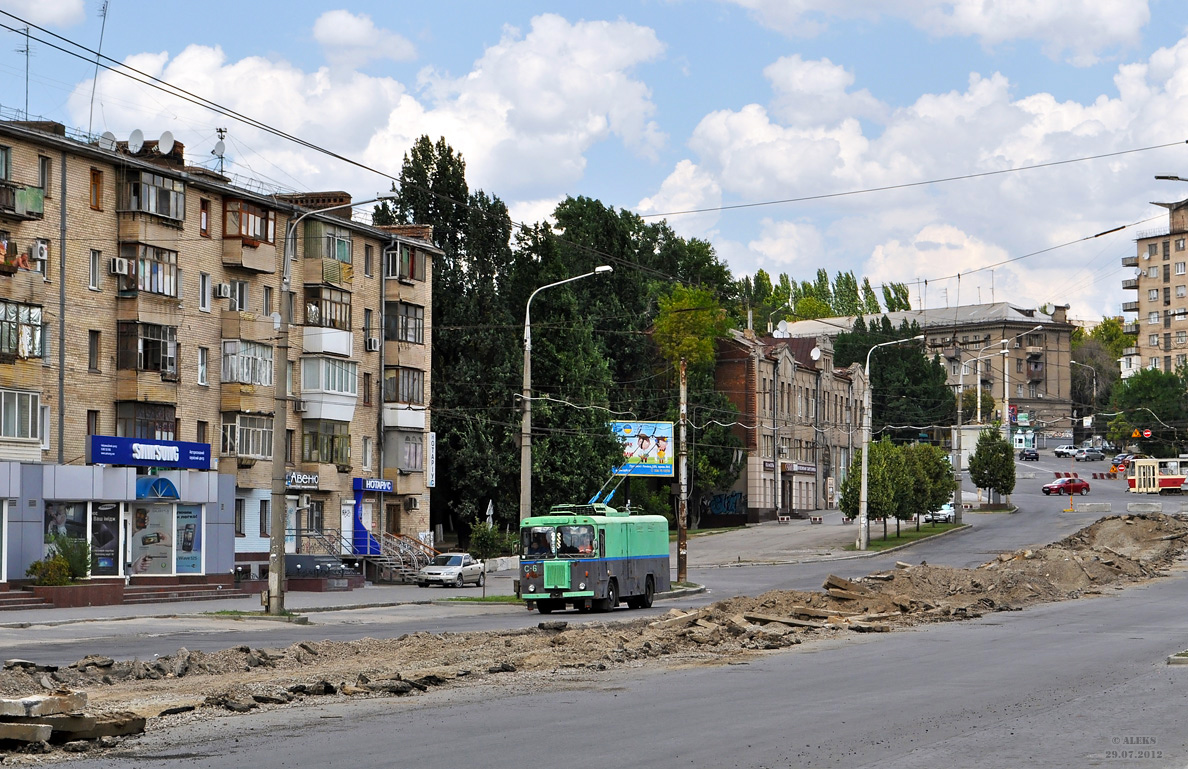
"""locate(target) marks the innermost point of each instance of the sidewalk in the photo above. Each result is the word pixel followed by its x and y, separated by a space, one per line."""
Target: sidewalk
pixel 765 543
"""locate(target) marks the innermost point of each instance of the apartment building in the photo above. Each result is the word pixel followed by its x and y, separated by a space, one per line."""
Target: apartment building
pixel 1020 356
pixel 1160 326
pixel 149 391
pixel 800 422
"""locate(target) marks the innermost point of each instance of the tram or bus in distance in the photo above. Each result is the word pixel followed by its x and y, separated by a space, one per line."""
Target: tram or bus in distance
pixel 1149 475
pixel 591 557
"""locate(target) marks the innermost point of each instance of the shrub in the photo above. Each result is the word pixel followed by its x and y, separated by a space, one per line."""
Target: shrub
pixel 51 570
pixel 76 552
pixel 487 541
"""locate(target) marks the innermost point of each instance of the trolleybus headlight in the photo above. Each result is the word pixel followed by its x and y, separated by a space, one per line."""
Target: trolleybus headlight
pixel 532 588
pixel 581 586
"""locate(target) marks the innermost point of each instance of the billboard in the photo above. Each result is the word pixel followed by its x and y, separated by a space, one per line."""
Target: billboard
pixel 647 448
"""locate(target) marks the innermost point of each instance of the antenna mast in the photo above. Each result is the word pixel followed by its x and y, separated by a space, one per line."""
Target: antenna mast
pixel 98 53
pixel 25 51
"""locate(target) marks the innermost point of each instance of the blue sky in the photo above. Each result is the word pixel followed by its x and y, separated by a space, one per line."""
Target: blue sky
pixel 660 106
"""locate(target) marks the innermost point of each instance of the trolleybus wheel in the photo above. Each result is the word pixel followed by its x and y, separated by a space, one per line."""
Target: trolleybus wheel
pixel 612 597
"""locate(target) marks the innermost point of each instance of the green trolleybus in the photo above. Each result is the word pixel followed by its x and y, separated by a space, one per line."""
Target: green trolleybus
pixel 590 557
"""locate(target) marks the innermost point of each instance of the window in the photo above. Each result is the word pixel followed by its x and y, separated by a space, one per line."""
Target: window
pixel 316 514
pixel 366 453
pixel 96 189
pixel 1154 362
pixel 1180 244
pixel 404 385
pixel 204 291
pixel 200 432
pixel 1152 250
pixel 203 364
pixel 150 269
pixel 1032 391
pixel 1153 340
pixel 247 435
pixel 44 172
pixel 5 164
pixel 326 442
pixel 247 362
pixel 93 423
pixel 137 419
pixel 405 263
pixel 1166 250
pixel 404 322
pixel 1181 292
pixel 368 259
pixel 1153 295
pixel 1180 268
pixel 240 515
pixel 153 194
pixel 239 295
pixel 290 368
pixel 265 517
pixel 327 307
pixel 1152 318
pixel 204 218
pixel 96 269
pixel 21 332
pixel 266 305
pixel 329 375
pixel 955 368
pixel 325 240
pixel 147 347
pixel 20 414
pixel 1153 272
pixel 289 446
pixel 1181 338
pixel 1018 365
pixel 93 350
pixel 367 320
pixel 248 221
pixel 1019 391
pixel 367 389
pixel 410 457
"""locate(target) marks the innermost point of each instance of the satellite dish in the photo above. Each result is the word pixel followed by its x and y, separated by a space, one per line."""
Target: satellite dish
pixel 815 353
pixel 107 141
pixel 219 149
pixel 165 144
pixel 136 141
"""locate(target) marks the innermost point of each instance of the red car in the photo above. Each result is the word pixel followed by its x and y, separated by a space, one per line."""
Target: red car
pixel 1068 486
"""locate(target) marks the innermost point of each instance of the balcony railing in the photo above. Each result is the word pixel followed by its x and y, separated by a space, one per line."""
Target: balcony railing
pixel 1130 261
pixel 1130 307
pixel 1130 283
pixel 1130 328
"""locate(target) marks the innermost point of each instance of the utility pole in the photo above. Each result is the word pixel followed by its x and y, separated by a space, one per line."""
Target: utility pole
pixel 683 503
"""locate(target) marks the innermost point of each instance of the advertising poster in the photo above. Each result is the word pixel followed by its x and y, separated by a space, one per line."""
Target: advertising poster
pixel 152 539
pixel 647 448
pixel 105 540
pixel 189 539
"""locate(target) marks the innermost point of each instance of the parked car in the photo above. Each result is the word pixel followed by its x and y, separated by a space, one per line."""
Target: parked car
pixel 1089 455
pixel 1067 450
pixel 452 569
pixel 1028 454
pixel 944 515
pixel 1068 486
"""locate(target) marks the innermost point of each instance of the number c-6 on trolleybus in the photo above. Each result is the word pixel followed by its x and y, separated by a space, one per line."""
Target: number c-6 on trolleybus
pixel 591 556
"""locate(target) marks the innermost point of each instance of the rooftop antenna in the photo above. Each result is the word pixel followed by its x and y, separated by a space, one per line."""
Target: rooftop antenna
pixel 220 148
pixel 98 53
pixel 26 51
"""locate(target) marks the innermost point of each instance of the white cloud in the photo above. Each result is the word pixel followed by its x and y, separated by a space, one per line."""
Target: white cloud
pixel 352 40
pixel 1079 30
pixel 48 13
pixel 530 212
pixel 791 247
pixel 814 92
pixel 687 188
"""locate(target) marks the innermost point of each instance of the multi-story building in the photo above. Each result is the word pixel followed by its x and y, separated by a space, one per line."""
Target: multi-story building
pixel 1160 328
pixel 141 337
pixel 799 421
pixel 1019 356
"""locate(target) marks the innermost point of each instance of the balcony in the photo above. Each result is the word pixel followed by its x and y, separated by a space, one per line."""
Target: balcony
pixel 336 273
pixel 1130 261
pixel 20 202
pixel 335 407
pixel 404 416
pixel 1130 307
pixel 1035 373
pixel 247 326
pixel 138 227
pixel 1130 351
pixel 329 341
pixel 152 386
pixel 249 254
pixel 251 399
pixel 1130 328
pixel 1130 283
pixel 1034 352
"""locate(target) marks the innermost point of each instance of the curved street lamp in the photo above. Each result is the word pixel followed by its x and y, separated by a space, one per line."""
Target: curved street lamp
pixel 526 418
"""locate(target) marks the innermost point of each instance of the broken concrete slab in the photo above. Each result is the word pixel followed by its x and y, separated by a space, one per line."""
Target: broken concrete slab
pixel 25 732
pixel 44 704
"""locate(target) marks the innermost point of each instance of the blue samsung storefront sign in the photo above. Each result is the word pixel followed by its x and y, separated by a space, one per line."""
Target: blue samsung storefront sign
pixel 374 484
pixel 144 452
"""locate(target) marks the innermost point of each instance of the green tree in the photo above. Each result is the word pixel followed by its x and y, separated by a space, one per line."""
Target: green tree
pixel 969 405
pixel 1110 334
pixel 880 483
pixel 992 465
pixel 690 322
pixel 933 476
pixel 870 300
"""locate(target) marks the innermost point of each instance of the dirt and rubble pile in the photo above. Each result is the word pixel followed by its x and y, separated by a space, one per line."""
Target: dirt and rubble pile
pixel 1113 551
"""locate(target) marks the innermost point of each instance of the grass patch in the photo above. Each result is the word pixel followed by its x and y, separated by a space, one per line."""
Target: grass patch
pixel 906 535
pixel 484 599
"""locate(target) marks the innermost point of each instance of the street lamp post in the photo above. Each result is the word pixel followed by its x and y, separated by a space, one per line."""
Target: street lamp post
pixel 863 521
pixel 1094 370
pixel 526 395
pixel 276 538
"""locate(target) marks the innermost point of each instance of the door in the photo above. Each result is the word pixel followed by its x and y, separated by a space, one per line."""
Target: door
pixel 348 528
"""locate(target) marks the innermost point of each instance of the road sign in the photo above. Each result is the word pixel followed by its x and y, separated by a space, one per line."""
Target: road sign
pixel 1135 434
pixel 1146 433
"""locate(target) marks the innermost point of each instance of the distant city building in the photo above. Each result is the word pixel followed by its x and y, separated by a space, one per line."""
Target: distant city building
pixel 1160 328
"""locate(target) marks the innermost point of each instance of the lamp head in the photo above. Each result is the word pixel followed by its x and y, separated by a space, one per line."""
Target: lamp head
pixel 603 268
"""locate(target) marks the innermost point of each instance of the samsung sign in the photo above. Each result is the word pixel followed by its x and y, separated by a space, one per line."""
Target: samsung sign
pixel 110 450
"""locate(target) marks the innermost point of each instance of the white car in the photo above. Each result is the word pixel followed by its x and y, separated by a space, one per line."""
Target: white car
pixel 1067 450
pixel 455 569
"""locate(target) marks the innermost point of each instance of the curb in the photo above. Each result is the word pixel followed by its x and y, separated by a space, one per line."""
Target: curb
pixel 847 557
pixel 1175 659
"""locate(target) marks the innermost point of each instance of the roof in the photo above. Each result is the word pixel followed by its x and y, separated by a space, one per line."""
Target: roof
pixel 996 314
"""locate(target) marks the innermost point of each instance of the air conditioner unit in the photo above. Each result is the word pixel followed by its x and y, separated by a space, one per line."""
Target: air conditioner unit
pixel 412 503
pixel 119 266
pixel 222 291
pixel 39 251
pixel 299 406
pixel 373 344
pixel 303 501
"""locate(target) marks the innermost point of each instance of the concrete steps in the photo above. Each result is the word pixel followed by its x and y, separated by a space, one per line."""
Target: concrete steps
pixel 174 593
pixel 14 600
